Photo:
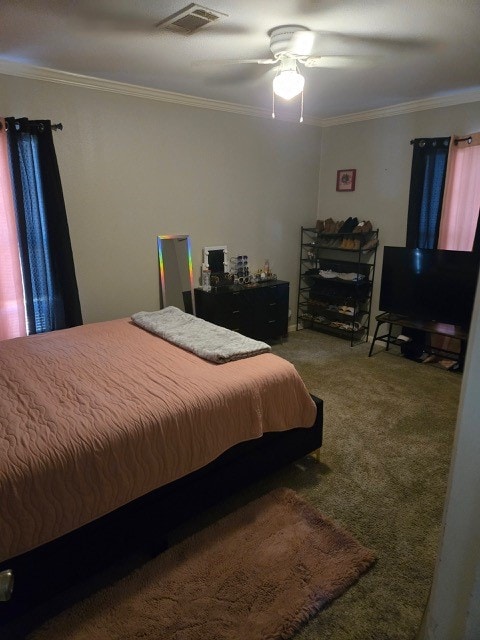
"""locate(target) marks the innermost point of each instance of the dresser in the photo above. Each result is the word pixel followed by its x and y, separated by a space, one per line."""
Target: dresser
pixel 258 311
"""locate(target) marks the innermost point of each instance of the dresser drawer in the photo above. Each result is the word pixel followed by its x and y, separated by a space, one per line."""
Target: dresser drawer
pixel 235 319
pixel 226 308
pixel 259 311
pixel 272 311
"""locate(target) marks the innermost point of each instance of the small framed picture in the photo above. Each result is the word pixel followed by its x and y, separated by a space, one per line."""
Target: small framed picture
pixel 346 179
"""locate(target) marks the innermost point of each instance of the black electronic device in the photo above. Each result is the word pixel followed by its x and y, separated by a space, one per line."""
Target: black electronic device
pixel 429 285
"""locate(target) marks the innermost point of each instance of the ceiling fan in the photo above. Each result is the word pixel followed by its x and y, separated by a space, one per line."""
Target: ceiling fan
pixel 293 46
pixel 295 42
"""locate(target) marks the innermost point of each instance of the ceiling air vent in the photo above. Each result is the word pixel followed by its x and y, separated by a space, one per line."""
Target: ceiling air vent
pixel 190 19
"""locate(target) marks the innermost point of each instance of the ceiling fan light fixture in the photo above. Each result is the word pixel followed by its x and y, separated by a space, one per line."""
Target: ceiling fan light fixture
pixel 288 82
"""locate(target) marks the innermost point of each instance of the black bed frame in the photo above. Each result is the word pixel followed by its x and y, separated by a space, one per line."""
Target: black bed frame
pixel 145 523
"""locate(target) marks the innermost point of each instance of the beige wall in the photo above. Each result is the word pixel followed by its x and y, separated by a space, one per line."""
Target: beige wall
pixel 381 153
pixel 133 168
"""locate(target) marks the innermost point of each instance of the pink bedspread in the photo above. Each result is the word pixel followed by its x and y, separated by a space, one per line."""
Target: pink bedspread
pixel 96 416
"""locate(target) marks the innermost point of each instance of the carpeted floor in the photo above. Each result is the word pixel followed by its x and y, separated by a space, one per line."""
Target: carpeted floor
pixel 389 426
pixel 388 432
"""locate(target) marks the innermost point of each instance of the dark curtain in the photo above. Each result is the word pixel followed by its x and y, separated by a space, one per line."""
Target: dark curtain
pixel 427 182
pixel 50 286
pixel 476 241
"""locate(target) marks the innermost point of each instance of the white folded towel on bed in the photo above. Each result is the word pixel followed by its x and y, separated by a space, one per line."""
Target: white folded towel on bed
pixel 202 338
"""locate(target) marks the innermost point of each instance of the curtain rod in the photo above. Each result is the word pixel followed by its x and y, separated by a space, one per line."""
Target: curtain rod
pixel 456 141
pixel 467 139
pixel 54 127
pixel 423 139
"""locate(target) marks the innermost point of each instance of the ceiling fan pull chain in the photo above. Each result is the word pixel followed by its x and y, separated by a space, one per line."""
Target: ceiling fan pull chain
pixel 301 108
pixel 273 104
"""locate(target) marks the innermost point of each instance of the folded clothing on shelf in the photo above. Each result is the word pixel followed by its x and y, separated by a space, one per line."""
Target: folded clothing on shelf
pixel 329 274
pixel 350 276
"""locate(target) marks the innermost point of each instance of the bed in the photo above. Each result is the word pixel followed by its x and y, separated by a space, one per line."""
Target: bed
pixel 109 430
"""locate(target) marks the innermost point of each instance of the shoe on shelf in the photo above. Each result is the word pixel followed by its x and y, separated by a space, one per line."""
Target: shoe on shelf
pixel 367 227
pixel 349 225
pixel 370 244
pixel 320 226
pixel 334 243
pixel 344 226
pixel 350 244
pixel 363 227
pixel 346 311
pixel 328 225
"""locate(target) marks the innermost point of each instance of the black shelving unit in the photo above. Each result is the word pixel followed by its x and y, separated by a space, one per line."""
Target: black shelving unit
pixel 336 281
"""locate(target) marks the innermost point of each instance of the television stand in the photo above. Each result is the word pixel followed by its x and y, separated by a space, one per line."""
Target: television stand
pixel 431 328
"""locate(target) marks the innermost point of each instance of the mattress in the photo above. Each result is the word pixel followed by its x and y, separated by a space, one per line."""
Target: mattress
pixel 96 416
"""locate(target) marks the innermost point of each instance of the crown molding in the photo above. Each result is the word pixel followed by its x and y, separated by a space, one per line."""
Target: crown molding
pixel 112 86
pixel 464 97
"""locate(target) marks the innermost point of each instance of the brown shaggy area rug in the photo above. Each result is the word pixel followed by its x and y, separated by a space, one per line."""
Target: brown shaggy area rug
pixel 258 573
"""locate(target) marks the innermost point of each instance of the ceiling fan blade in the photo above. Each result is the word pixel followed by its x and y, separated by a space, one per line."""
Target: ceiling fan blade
pixel 338 44
pixel 340 62
pixel 251 75
pixel 204 63
pixel 258 61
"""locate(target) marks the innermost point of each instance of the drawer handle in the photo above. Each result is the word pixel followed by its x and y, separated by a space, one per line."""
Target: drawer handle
pixel 271 321
pixel 272 304
pixel 236 311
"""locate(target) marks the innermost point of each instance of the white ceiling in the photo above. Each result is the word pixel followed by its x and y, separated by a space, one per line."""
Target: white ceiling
pixel 430 48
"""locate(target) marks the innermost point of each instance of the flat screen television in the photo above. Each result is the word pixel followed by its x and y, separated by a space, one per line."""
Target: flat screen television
pixel 429 285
